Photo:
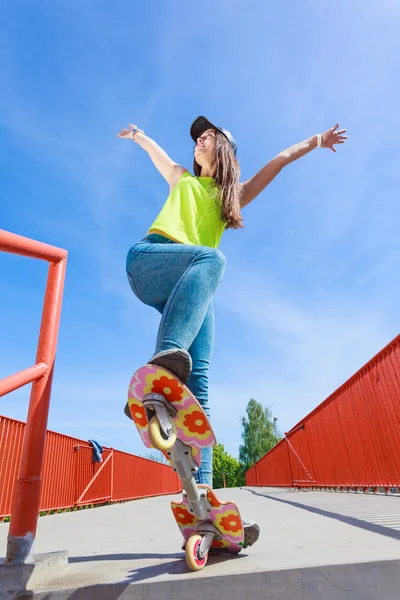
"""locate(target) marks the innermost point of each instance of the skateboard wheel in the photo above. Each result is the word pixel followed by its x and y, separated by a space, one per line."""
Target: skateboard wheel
pixel 193 560
pixel 157 440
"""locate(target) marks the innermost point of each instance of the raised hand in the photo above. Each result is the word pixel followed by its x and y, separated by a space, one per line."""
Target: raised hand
pixel 332 136
pixel 125 133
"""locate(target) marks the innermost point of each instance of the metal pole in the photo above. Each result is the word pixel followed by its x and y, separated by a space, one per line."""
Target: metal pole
pixel 26 502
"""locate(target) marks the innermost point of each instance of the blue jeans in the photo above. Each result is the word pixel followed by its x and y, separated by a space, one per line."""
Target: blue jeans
pixel 179 281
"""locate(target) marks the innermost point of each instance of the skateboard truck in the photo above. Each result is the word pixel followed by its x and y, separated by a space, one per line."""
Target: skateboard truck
pixel 180 454
pixel 209 533
pixel 162 435
pixel 198 546
pixel 158 405
pixel 184 464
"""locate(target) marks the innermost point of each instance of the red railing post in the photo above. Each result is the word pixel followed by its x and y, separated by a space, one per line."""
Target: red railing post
pixel 26 502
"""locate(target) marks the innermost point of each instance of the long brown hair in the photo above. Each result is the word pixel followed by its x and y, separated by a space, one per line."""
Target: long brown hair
pixel 227 174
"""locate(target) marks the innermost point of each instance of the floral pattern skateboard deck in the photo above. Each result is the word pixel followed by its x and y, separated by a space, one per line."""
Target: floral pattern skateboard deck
pixel 224 516
pixel 192 426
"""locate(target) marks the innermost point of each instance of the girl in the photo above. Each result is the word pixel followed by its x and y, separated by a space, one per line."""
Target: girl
pixel 177 267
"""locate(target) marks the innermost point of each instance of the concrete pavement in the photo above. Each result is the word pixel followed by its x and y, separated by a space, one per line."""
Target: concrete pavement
pixel 312 545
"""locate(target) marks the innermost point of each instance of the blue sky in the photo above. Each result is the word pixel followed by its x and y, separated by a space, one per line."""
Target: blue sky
pixel 311 287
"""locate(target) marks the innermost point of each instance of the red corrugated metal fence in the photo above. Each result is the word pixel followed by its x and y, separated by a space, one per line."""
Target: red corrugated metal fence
pixel 351 440
pixel 70 478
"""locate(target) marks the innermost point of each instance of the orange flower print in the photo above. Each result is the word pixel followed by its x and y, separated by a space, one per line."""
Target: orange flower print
pixel 212 500
pixel 217 544
pixel 195 422
pixel 138 414
pixel 169 388
pixel 182 516
pixel 231 523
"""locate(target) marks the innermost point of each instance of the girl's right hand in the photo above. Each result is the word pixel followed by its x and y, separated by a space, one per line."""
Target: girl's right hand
pixel 125 134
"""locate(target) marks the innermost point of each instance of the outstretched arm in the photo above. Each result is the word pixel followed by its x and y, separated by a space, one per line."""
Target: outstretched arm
pixel 254 186
pixel 169 169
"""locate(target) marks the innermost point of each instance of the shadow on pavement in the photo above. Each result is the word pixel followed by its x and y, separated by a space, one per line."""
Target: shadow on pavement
pixel 126 556
pixel 172 567
pixel 113 591
pixel 373 527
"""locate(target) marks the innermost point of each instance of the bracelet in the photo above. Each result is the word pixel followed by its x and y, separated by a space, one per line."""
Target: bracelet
pixel 134 132
pixel 319 140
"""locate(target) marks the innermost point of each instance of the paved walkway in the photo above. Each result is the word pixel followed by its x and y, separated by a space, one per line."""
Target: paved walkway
pixel 310 543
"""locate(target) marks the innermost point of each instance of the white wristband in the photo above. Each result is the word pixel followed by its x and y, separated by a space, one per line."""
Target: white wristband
pixel 319 140
pixel 134 132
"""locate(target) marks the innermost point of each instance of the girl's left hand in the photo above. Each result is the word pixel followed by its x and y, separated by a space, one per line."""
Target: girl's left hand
pixel 331 137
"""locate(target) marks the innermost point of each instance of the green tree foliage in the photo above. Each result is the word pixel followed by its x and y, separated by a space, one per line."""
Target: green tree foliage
pixel 258 434
pixel 224 463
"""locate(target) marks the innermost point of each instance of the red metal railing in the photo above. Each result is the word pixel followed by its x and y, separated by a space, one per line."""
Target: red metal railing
pixel 119 477
pixel 28 486
pixel 351 440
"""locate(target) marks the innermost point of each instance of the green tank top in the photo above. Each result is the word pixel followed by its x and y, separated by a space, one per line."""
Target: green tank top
pixel 192 213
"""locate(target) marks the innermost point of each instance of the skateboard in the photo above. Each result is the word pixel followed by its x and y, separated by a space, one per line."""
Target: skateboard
pixel 169 418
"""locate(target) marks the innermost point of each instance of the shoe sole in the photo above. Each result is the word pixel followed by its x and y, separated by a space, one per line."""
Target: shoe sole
pixel 251 535
pixel 177 362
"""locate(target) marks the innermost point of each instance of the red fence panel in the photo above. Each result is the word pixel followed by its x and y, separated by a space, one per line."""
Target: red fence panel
pixel 11 439
pixel 71 478
pixel 92 479
pixel 276 469
pixel 300 460
pixel 59 477
pixel 251 476
pixel 351 440
pixel 137 477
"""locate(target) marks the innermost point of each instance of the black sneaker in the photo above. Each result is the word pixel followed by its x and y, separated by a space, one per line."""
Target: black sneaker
pixel 251 533
pixel 179 362
pixel 127 411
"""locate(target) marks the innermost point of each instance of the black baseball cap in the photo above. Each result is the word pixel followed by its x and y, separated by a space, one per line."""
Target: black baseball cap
pixel 201 124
